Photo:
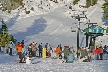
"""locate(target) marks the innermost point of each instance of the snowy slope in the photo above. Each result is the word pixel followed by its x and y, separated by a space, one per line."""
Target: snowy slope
pixel 52 26
pixel 9 64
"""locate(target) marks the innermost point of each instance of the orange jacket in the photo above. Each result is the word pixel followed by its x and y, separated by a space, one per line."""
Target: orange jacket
pixel 98 51
pixel 19 48
pixel 57 50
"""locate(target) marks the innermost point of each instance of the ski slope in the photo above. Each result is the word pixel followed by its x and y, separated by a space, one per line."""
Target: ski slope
pixel 9 64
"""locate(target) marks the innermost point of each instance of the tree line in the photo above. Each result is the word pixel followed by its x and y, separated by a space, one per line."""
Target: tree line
pixel 8 5
pixel 88 2
pixel 105 8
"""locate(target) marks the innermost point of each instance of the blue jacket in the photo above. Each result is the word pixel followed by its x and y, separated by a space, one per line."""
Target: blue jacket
pixel 70 57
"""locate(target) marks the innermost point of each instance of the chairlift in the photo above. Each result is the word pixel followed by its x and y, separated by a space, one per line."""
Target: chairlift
pixel 73 30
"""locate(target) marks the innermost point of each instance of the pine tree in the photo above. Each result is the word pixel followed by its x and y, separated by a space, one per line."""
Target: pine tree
pixel 4 28
pixel 75 2
pixel 5 37
pixel 105 8
pixel 91 2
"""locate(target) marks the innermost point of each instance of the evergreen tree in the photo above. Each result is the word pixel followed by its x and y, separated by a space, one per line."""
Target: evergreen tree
pixel 75 2
pixel 4 28
pixel 105 8
pixel 5 37
pixel 91 2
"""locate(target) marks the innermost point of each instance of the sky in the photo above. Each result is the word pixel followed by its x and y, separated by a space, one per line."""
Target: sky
pixel 52 26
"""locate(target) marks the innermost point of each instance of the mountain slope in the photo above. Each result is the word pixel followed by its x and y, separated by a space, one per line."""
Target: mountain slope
pixel 52 26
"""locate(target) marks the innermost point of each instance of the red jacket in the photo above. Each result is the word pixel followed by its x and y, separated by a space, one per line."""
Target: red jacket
pixel 98 51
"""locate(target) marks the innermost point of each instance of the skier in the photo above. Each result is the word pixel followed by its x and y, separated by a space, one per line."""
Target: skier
pixel 7 48
pixel 83 55
pixel 48 50
pixel 40 50
pixel 71 49
pixel 10 45
pixel 60 55
pixel 66 52
pixel 98 52
pixel 33 46
pixel 22 42
pixel 93 53
pixel 46 45
pixel 57 51
pixel 19 50
pixel 105 52
pixel 30 50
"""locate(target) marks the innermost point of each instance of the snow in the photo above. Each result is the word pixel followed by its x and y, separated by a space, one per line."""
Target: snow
pixel 50 65
pixel 51 26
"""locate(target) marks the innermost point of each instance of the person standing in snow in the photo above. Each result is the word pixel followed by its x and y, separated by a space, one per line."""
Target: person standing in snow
pixel 78 52
pixel 22 42
pixel 89 53
pixel 93 53
pixel 107 53
pixel 60 55
pixel 101 54
pixel 7 48
pixel 98 52
pixel 104 49
pixel 33 46
pixel 16 47
pixel 40 50
pixel 71 49
pixel 104 52
pixel 46 45
pixel 10 45
pixel 48 50
pixel 19 50
pixel 30 50
pixel 57 51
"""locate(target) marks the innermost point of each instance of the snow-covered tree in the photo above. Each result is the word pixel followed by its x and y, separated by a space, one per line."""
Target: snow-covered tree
pixel 91 2
pixel 105 8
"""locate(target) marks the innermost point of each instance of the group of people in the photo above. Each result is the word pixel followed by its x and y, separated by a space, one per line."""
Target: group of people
pixel 32 50
pixel 84 54
pixel 98 53
pixel 67 53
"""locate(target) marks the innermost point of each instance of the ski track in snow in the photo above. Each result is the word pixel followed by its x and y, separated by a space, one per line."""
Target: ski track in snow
pixel 56 29
pixel 92 11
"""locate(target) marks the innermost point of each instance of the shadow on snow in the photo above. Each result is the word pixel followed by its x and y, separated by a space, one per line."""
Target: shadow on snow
pixel 12 21
pixel 104 20
pixel 38 26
